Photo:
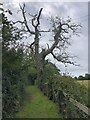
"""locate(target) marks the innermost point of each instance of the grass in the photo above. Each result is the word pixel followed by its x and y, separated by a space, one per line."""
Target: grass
pixel 37 105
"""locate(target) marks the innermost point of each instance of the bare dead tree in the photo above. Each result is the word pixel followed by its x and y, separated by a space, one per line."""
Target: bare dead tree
pixel 60 28
pixel 62 32
pixel 35 23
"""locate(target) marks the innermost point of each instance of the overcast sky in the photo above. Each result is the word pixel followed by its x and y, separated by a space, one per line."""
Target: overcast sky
pixel 78 11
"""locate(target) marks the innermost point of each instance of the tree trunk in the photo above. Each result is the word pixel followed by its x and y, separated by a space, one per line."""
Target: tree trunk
pixel 40 69
pixel 39 60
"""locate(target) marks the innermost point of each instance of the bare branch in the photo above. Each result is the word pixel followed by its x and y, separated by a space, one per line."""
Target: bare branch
pixel 25 21
pixel 44 30
pixel 64 60
pixel 35 17
pixel 17 22
pixel 33 21
pixel 32 44
pixel 60 28
pixel 48 45
pixel 9 11
pixel 56 41
pixel 38 17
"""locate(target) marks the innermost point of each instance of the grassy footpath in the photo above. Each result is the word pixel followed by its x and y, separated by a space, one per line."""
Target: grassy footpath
pixel 37 105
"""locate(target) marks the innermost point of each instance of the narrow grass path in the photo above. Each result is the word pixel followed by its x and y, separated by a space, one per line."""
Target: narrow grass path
pixel 37 105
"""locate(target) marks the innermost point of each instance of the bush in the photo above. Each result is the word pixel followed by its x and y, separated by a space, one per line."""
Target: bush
pixel 14 73
pixel 55 84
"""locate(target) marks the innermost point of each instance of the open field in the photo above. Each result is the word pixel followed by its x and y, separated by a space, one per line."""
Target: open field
pixel 85 82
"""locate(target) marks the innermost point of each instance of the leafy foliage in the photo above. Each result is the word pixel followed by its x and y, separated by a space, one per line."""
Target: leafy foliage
pixel 12 70
pixel 32 72
pixel 54 84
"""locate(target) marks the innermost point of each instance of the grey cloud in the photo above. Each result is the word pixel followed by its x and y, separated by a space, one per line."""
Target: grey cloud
pixel 76 10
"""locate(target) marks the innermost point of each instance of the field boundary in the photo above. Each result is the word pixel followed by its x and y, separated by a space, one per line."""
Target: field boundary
pixel 82 107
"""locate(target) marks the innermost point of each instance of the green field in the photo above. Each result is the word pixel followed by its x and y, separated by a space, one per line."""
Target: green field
pixel 37 105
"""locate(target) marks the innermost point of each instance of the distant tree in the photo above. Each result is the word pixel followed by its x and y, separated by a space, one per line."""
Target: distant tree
pixel 75 78
pixel 87 76
pixel 81 77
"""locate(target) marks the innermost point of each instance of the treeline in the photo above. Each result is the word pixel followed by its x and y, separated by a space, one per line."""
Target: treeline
pixel 85 77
